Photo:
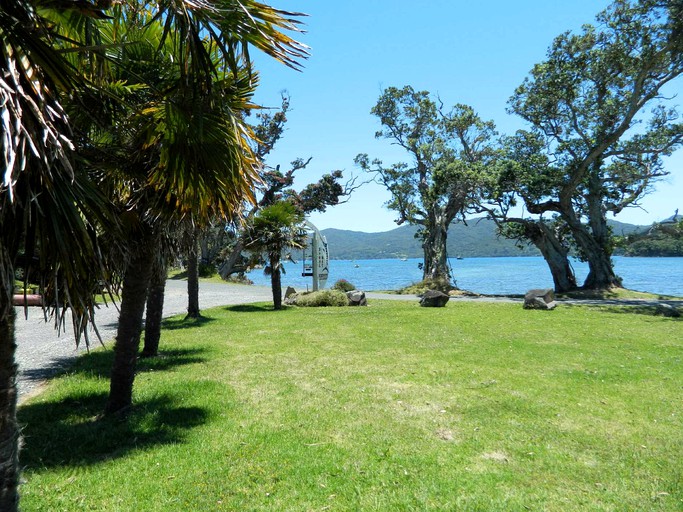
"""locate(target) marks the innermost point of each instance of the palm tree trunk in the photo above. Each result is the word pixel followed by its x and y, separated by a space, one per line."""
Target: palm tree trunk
pixel 133 297
pixel 9 430
pixel 193 282
pixel 276 281
pixel 155 308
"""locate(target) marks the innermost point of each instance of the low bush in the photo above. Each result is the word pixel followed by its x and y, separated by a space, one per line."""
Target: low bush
pixel 239 278
pixel 442 285
pixel 343 285
pixel 207 270
pixel 322 298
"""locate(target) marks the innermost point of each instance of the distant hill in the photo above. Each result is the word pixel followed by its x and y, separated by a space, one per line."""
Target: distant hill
pixel 477 239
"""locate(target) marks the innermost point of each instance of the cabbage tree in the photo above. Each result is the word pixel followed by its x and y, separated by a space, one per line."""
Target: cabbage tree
pixel 269 233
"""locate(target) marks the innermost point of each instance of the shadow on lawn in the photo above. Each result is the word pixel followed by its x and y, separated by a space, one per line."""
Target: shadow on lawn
pixel 253 308
pixel 638 310
pixel 176 323
pixel 70 432
pixel 98 364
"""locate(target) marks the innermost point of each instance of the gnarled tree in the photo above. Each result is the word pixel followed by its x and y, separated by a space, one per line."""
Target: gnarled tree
pixel 598 103
pixel 449 154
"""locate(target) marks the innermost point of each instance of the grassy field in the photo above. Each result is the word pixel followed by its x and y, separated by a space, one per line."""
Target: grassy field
pixel 390 407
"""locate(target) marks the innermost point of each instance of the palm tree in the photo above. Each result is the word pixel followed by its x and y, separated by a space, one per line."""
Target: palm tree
pixel 272 230
pixel 185 144
pixel 49 208
pixel 155 305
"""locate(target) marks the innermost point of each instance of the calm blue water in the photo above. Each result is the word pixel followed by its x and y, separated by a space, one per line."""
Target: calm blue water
pixel 488 275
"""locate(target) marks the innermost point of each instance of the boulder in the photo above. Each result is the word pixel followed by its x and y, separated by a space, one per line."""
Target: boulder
pixel 543 298
pixel 433 299
pixel 289 292
pixel 667 310
pixel 357 298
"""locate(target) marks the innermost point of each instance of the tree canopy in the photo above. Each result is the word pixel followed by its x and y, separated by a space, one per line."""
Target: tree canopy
pixel 600 123
pixel 449 152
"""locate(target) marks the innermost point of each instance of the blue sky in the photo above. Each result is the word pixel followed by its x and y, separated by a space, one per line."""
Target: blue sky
pixel 467 52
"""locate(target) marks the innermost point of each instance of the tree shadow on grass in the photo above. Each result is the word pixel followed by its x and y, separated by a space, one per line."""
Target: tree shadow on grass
pixel 175 323
pixel 638 310
pixel 254 308
pixel 179 276
pixel 98 363
pixel 70 432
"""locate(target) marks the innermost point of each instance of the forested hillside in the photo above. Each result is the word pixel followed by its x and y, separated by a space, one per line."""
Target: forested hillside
pixel 476 239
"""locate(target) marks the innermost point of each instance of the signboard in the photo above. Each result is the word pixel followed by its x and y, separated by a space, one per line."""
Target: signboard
pixel 320 258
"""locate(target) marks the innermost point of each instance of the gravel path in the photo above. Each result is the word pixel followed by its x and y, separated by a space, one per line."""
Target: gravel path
pixel 41 352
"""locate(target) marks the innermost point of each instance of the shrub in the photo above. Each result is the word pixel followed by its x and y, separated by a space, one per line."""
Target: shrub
pixel 207 270
pixel 441 285
pixel 343 285
pixel 239 278
pixel 322 298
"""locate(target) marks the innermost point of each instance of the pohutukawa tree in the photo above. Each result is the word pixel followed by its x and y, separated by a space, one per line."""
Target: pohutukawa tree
pixel 600 106
pixel 449 153
pixel 525 171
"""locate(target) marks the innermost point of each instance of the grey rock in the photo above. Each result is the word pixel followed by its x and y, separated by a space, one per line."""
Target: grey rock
pixel 434 299
pixel 667 310
pixel 543 298
pixel 289 292
pixel 357 298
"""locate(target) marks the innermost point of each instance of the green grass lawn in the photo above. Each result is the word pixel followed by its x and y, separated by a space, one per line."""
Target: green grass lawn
pixel 390 407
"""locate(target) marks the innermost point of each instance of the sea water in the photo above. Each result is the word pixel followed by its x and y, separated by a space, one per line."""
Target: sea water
pixel 511 275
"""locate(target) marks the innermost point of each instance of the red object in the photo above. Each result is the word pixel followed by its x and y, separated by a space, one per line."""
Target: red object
pixel 27 300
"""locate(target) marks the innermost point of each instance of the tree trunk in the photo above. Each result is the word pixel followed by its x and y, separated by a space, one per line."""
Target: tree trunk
pixel 133 297
pixel 276 282
pixel 601 273
pixel 435 265
pixel 193 281
pixel 9 430
pixel 155 308
pixel 594 243
pixel 554 253
pixel 205 257
pixel 228 266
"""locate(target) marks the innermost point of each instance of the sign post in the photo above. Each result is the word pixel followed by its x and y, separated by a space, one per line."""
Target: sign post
pixel 319 267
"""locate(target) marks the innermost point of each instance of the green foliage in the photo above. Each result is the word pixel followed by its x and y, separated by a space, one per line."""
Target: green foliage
pixel 277 185
pixel 273 229
pixel 322 298
pixel 660 240
pixel 376 409
pixel 207 270
pixel 343 285
pixel 600 123
pixel 442 285
pixel 449 153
